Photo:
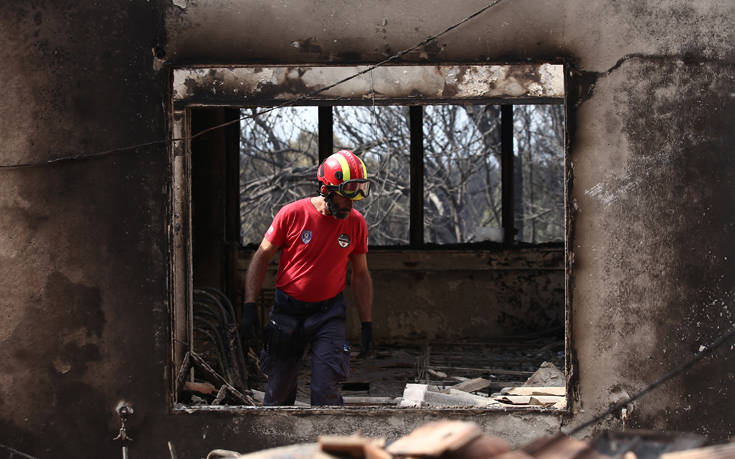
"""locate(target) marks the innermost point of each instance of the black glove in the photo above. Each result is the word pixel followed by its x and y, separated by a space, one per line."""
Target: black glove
pixel 249 322
pixel 366 340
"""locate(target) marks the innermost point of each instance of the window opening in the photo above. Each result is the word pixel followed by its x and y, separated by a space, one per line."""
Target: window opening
pixel 481 178
pixel 462 182
pixel 278 157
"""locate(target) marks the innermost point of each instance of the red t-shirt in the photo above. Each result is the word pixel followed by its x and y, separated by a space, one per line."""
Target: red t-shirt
pixel 315 249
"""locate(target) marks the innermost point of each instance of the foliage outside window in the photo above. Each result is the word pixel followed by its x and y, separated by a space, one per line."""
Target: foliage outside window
pixel 380 136
pixel 539 160
pixel 462 182
pixel 462 170
pixel 278 159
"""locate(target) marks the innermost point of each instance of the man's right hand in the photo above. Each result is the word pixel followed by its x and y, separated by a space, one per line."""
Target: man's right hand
pixel 249 322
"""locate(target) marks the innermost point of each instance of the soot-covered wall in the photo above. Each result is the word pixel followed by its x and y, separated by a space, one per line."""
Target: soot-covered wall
pixel 84 242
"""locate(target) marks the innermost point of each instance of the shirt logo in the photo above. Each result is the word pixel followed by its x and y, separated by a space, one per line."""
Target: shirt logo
pixel 306 236
pixel 343 240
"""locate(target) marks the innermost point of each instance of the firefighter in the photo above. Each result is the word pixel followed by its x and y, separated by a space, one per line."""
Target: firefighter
pixel 317 237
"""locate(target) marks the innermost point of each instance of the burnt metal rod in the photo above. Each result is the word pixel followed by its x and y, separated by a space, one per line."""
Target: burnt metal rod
pixel 14 452
pixel 497 371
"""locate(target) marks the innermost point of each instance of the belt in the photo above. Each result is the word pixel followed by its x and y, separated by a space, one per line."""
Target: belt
pixel 287 304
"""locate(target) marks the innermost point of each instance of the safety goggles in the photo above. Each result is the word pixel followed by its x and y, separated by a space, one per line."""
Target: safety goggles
pixel 353 189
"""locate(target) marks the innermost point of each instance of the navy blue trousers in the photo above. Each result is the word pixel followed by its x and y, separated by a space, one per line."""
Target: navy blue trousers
pixel 293 326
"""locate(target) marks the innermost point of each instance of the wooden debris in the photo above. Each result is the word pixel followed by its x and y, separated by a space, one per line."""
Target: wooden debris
pixel 516 454
pixel 561 404
pixel 373 451
pixel 435 438
pixel 561 446
pixel 198 362
pixel 436 374
pixel 353 445
pixel 220 395
pixel 181 376
pixel 545 400
pixel 480 448
pixel 492 371
pixel 200 387
pixel 558 391
pixel 297 451
pixel 464 440
pixel 472 385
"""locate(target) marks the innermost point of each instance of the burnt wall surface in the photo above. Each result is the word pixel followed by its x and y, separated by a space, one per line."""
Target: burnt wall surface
pixel 450 295
pixel 82 242
pixel 83 245
pixel 455 296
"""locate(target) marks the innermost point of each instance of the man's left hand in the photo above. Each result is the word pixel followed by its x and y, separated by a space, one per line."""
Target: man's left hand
pixel 366 340
pixel 249 323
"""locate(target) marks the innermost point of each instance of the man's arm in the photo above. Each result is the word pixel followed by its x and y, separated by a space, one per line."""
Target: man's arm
pixel 362 287
pixel 256 270
pixel 253 283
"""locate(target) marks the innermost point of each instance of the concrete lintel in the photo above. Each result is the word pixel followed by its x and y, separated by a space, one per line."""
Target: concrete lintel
pixel 420 83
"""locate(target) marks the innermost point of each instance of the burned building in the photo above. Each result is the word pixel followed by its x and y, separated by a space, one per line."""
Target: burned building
pixel 122 168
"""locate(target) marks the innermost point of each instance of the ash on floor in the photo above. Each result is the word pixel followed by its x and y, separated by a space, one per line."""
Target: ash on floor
pixel 382 378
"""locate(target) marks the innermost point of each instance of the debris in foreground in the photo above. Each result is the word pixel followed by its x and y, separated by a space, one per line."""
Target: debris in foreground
pixel 450 439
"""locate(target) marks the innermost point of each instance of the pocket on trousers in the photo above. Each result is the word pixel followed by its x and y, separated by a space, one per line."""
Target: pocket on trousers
pixel 340 361
pixel 281 336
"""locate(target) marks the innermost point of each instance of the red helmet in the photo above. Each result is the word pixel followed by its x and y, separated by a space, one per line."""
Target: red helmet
pixel 345 174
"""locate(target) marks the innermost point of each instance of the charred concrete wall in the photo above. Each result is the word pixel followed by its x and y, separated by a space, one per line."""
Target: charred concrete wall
pixel 454 295
pixel 83 246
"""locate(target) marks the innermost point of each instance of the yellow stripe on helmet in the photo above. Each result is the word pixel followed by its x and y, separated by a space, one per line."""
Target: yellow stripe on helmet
pixel 345 167
pixel 364 169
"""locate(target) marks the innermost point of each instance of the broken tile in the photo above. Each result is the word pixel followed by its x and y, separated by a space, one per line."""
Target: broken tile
pixel 559 391
pixel 472 385
pixel 483 447
pixel 352 445
pixel 435 438
pixel 546 375
pixel 422 395
pixel 562 446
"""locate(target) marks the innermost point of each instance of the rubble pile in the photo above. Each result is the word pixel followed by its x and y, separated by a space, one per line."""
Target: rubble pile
pixel 448 439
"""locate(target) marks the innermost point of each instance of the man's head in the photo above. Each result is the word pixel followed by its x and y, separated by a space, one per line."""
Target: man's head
pixel 343 179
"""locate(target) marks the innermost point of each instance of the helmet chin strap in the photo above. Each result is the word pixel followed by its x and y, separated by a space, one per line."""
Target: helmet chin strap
pixel 329 199
pixel 331 207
